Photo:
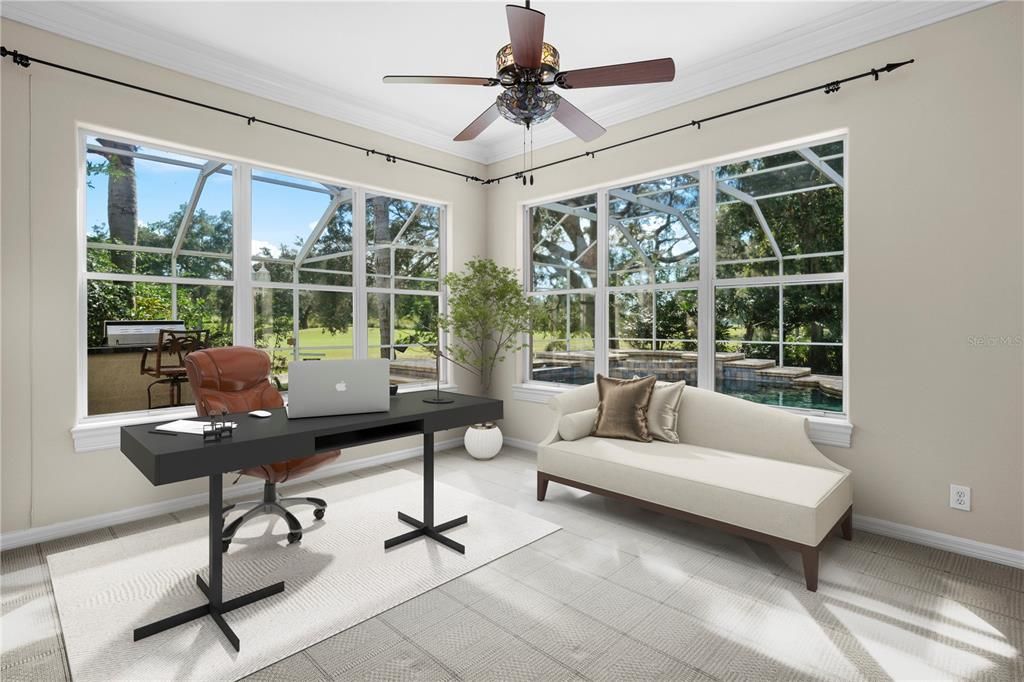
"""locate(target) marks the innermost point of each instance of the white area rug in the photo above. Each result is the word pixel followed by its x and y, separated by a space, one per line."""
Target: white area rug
pixel 338 576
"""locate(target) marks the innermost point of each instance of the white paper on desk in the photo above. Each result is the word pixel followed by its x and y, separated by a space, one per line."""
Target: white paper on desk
pixel 188 426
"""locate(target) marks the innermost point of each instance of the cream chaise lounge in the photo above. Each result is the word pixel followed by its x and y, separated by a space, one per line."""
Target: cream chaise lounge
pixel 740 467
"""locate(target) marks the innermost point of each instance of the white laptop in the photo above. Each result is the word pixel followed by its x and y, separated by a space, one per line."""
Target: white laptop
pixel 321 388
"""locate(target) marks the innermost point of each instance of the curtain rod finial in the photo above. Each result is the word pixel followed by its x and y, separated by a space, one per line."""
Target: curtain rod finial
pixel 892 66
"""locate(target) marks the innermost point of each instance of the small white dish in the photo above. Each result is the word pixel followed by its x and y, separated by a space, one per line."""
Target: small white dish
pixel 259 413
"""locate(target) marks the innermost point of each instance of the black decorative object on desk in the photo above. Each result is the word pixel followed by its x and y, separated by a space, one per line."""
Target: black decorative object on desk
pixel 216 430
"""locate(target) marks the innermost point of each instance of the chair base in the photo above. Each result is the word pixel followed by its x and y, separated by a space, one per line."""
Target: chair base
pixel 271 504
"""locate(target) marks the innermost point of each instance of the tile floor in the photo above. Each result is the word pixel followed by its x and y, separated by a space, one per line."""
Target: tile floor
pixel 623 594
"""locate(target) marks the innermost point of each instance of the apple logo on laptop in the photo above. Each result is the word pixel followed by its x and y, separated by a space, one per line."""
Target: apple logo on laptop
pixel 340 386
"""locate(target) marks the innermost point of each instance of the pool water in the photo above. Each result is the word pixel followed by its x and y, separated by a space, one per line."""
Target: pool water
pixel 783 396
pixel 806 398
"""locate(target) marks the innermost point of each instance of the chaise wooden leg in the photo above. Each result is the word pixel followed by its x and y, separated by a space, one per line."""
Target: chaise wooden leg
pixel 542 486
pixel 810 557
pixel 846 528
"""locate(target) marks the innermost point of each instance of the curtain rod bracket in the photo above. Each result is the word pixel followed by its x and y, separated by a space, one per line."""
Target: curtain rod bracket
pixel 22 60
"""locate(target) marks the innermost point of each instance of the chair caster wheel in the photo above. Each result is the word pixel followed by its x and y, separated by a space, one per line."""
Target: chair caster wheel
pixel 294 537
pixel 224 545
pixel 318 513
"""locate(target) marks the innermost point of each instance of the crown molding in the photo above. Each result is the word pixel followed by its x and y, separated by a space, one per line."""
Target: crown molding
pixel 841 31
pixel 95 25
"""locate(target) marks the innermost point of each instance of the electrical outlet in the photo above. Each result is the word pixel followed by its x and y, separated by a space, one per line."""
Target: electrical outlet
pixel 959 497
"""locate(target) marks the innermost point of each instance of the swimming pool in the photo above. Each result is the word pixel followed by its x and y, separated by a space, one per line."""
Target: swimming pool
pixel 807 398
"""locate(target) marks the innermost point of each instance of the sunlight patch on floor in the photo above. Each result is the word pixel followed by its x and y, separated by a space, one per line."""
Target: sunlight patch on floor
pixel 904 654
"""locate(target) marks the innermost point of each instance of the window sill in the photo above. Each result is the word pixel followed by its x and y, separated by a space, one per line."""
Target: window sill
pixel 104 432
pixel 833 431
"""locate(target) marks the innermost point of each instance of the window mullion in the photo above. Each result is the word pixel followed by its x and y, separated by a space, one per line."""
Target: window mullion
pixel 359 313
pixel 242 241
pixel 526 255
pixel 601 304
pixel 295 311
pixel 782 350
pixel 442 290
pixel 706 291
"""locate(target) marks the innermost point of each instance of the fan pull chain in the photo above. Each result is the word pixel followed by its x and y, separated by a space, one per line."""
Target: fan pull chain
pixel 521 175
pixel 531 155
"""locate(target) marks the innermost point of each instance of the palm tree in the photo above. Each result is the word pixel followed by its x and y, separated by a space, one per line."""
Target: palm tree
pixel 122 202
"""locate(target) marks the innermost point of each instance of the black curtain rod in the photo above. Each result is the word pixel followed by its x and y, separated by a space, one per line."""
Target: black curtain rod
pixel 24 60
pixel 828 88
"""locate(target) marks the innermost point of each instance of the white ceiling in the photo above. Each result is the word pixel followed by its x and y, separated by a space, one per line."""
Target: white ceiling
pixel 328 57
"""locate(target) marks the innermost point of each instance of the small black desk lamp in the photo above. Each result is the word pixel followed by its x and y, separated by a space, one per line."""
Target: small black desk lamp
pixel 437 399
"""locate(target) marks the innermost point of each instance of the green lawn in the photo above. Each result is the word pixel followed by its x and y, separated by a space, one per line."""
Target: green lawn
pixel 581 343
pixel 314 339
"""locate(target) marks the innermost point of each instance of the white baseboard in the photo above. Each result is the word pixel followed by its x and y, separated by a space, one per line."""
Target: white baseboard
pixel 950 543
pixel 529 446
pixel 31 536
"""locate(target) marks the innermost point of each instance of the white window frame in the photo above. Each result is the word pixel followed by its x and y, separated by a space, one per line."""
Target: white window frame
pixel 827 428
pixel 102 432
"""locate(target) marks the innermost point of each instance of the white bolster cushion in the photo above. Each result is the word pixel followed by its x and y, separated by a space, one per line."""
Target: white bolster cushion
pixel 576 425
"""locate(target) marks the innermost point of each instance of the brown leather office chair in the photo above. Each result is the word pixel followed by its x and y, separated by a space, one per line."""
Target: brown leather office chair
pixel 237 379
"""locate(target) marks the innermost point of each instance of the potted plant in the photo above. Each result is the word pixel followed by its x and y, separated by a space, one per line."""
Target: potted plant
pixel 488 315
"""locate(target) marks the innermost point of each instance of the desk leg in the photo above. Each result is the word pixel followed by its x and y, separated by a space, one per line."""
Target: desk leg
pixel 215 606
pixel 426 527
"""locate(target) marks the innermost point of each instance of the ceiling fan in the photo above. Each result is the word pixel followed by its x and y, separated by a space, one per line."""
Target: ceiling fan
pixel 527 68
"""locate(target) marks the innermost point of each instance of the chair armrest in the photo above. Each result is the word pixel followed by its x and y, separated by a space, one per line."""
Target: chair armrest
pixel 725 422
pixel 573 400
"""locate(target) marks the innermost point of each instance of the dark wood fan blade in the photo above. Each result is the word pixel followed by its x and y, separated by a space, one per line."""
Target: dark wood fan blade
pixel 526 29
pixel 442 80
pixel 581 125
pixel 650 71
pixel 479 124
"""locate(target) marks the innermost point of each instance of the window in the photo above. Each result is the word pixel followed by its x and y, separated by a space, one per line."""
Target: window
pixel 403 271
pixel 653 275
pixel 780 278
pixel 162 248
pixel 301 270
pixel 563 277
pixel 772 286
pixel 159 241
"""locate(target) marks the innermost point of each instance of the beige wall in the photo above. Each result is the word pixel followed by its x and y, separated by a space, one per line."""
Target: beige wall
pixel 935 253
pixel 44 479
pixel 935 256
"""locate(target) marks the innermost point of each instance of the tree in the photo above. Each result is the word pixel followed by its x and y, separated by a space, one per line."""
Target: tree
pixel 488 313
pixel 122 201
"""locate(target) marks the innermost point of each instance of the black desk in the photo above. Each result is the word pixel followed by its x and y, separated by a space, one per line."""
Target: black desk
pixel 168 459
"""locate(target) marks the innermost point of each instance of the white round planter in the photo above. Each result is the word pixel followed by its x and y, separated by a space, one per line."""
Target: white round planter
pixel 483 441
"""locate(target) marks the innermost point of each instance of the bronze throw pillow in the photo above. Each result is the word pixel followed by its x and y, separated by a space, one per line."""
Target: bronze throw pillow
pixel 622 410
